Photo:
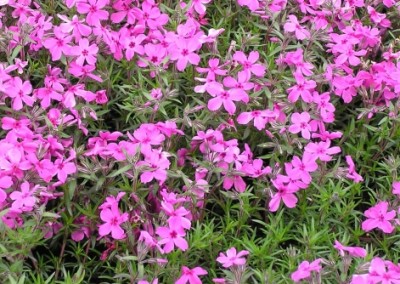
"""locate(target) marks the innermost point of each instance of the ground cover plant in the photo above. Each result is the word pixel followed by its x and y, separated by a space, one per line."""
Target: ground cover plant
pixel 202 141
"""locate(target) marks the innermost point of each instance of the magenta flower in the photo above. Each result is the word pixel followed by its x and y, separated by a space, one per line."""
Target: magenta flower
pixel 379 217
pixel 293 25
pixel 19 91
pixel 5 182
pixel 213 69
pixel 249 63
pixel 172 236
pixel 302 168
pixel 283 193
pixel 86 52
pixel 232 258
pixel 353 251
pixel 113 220
pixel 133 44
pixel 396 187
pixel 199 6
pixel 59 44
pixel 301 123
pixel 322 150
pixel 14 163
pixel 93 9
pixel 24 200
pixel 352 174
pixel 191 276
pixel 305 268
pixel 223 97
pixel 183 51
pixel 76 26
pixel 384 272
pixel 303 89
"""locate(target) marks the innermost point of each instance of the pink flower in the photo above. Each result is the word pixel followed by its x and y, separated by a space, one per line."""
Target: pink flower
pixel 223 97
pixel 381 271
pixel 305 268
pixel 304 167
pixel 352 174
pixel 183 51
pixel 303 89
pixel 199 6
pixel 19 91
pixel 5 182
pixel 191 275
pixel 321 150
pixel 396 188
pixel 172 236
pixel 253 5
pixel 133 44
pixel 353 251
pixel 24 199
pixel 379 217
pixel 213 69
pixel 76 26
pixel 93 9
pixel 86 52
pixel 59 44
pixel 232 258
pixel 293 25
pixel 283 193
pixel 249 63
pixel 301 123
pixel 113 220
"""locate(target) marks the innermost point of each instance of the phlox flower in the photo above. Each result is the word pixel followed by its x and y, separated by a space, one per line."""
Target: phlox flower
pixel 396 188
pixel 24 200
pixel 352 174
pixel 213 69
pixel 191 276
pixel 172 236
pixel 301 123
pixel 86 52
pixel 223 97
pixel 5 182
pixel 322 150
pixel 133 44
pixel 303 89
pixel 293 25
pixel 199 6
pixel 59 44
pixel 93 9
pixel 283 193
pixel 183 51
pixel 19 92
pixel 305 268
pixel 232 257
pixel 383 272
pixel 14 163
pixel 353 251
pixel 379 217
pixel 253 5
pixel 76 26
pixel 113 220
pixel 249 63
